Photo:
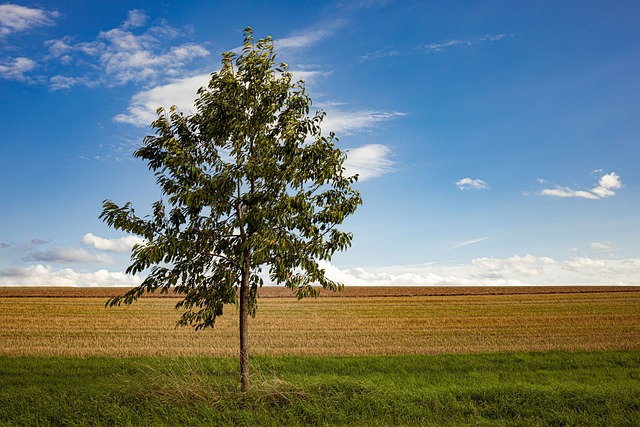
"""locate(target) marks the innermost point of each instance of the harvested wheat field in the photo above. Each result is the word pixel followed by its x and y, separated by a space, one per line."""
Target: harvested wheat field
pixel 362 321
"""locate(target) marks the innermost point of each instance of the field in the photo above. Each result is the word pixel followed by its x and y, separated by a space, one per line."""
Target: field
pixel 363 321
pixel 368 356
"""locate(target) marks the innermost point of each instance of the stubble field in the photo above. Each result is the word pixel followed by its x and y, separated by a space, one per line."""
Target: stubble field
pixel 357 322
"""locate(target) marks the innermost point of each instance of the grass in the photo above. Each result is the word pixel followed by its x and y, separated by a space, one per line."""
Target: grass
pixel 328 326
pixel 515 389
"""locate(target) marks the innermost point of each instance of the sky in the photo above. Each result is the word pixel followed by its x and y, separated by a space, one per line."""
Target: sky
pixel 497 142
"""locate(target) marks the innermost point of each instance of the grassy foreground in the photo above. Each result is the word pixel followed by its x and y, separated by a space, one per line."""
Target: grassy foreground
pixel 528 389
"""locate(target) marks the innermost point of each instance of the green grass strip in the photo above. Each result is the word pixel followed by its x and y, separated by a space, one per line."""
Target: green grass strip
pixel 510 389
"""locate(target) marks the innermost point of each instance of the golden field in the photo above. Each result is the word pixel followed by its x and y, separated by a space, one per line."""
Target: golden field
pixel 358 321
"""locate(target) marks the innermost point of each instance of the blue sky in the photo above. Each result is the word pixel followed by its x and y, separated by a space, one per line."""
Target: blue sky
pixel 497 141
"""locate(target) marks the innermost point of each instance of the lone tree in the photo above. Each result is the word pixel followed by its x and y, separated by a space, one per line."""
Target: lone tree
pixel 250 185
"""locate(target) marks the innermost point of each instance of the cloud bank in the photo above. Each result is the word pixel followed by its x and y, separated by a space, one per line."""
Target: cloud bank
pixel 44 275
pixel 527 270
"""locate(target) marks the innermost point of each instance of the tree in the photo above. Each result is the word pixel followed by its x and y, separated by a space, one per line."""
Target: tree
pixel 249 184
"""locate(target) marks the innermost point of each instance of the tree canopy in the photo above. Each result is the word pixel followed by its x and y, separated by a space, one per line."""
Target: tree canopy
pixel 251 187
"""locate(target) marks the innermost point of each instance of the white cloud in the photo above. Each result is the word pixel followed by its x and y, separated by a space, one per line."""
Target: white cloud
pixel 15 18
pixel 602 246
pixel 309 77
pixel 303 39
pixel 65 255
pixel 368 161
pixel 123 244
pixel 442 46
pixel 347 123
pixel 40 275
pixel 604 188
pixel 135 19
pixel 468 183
pixel 607 184
pixel 16 69
pixel 307 37
pixel 181 92
pixel 124 56
pixel 568 192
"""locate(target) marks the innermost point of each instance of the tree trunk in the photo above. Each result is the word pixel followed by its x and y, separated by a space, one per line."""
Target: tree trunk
pixel 244 327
